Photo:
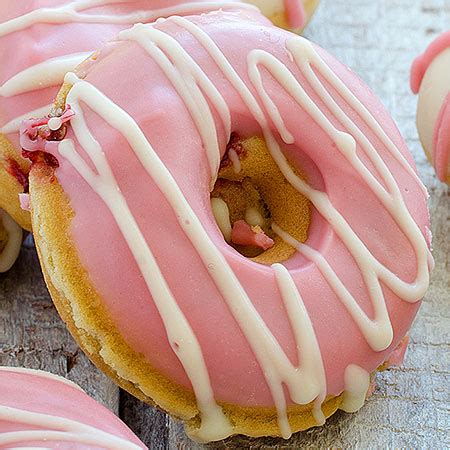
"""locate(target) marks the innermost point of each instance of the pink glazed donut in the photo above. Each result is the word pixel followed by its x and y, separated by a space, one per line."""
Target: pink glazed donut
pixel 430 79
pixel 39 409
pixel 141 266
pixel 42 40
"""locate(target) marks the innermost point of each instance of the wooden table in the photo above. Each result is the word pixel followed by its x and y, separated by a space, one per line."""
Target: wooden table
pixel 409 408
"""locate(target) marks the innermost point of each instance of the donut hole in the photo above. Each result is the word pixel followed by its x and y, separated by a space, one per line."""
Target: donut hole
pixel 250 194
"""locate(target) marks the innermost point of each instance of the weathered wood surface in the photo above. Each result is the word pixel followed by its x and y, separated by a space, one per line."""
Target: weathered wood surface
pixel 409 408
pixel 32 334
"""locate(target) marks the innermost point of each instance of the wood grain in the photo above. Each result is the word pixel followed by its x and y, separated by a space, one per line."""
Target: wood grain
pixel 32 334
pixel 409 408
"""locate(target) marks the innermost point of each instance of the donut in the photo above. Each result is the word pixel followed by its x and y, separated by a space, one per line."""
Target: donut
pixel 292 15
pixel 39 409
pixel 183 116
pixel 11 236
pixel 30 40
pixel 430 80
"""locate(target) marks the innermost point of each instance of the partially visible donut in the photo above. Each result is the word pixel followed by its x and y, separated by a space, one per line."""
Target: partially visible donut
pixel 39 409
pixel 430 78
pixel 44 39
pixel 286 139
pixel 289 14
pixel 11 236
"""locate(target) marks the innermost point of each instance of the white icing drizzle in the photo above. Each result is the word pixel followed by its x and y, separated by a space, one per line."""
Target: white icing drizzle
pixel 11 250
pixel 14 125
pixel 357 383
pixel 222 215
pixel 45 74
pixel 73 12
pixel 311 373
pixel 179 333
pixel 53 428
pixel 190 82
pixel 307 382
pixel 41 374
pixel 378 332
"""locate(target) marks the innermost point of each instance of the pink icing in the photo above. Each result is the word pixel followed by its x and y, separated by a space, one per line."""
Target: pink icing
pixel 296 13
pixel 43 393
pixel 137 85
pixel 422 62
pixel 441 141
pixel 244 234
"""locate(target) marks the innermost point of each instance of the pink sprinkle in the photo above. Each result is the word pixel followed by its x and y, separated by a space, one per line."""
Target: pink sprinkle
pixel 24 200
pixel 244 234
pixel 33 138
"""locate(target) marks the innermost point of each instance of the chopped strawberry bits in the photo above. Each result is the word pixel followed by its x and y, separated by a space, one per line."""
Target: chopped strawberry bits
pixel 244 234
pixel 16 171
pixel 36 133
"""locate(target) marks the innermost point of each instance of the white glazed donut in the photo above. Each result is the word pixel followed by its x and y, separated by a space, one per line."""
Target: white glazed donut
pixel 430 78
pixel 289 14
